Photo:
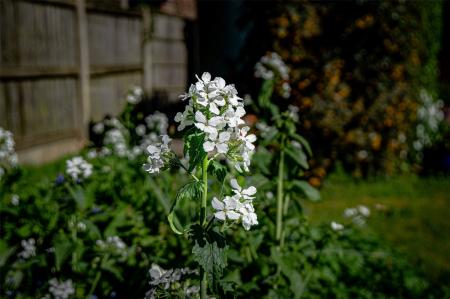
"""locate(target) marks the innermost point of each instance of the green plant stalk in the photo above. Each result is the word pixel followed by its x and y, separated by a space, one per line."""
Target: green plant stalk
pixel 280 195
pixel 98 275
pixel 204 282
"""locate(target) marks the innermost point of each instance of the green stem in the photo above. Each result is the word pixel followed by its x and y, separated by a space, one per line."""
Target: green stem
pixel 280 194
pixel 203 275
pixel 98 275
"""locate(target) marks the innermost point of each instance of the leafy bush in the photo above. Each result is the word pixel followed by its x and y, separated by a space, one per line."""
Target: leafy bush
pixel 356 70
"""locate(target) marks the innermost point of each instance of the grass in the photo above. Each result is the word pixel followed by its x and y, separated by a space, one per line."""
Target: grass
pixel 410 213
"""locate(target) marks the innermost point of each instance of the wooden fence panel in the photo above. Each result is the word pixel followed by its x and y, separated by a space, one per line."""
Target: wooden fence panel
pixel 41 46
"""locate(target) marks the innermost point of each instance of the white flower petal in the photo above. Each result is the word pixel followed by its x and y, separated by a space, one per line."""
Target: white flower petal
pixel 217 204
pixel 220 215
pixel 200 117
pixel 206 77
pixel 208 146
pixel 222 148
pixel 213 108
pixel 232 215
pixel 234 184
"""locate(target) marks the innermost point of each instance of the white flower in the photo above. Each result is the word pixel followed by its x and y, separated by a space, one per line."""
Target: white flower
pixel 8 156
pixel 219 143
pixel 242 193
pixel 364 210
pixel 336 226
pixel 98 128
pixel 135 95
pixel 226 209
pixel 78 168
pixel 293 113
pixel 29 248
pixel 157 155
pixel 247 139
pixel 183 118
pixel 61 290
pixel 206 125
pixel 140 130
pixel 157 122
pixel 15 200
pixel 269 65
pixel 249 217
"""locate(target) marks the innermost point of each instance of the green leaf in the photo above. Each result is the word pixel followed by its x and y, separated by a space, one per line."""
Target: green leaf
pixel 191 191
pixel 303 142
pixel 218 170
pixel 79 196
pixel 193 145
pixel 310 192
pixel 297 284
pixel 298 156
pixel 63 249
pixel 211 256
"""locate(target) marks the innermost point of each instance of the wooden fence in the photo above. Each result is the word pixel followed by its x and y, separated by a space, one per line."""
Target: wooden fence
pixel 66 62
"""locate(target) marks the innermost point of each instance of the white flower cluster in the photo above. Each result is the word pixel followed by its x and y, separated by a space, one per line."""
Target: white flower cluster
pixel 238 207
pixel 215 109
pixel 429 115
pixel 157 124
pixel 8 156
pixel 293 113
pixel 61 289
pixel 159 155
pixel 113 243
pixel 78 168
pixel 15 200
pixel 135 95
pixel 269 65
pixel 272 65
pixel 336 226
pixel 358 214
pixel 165 278
pixel 29 248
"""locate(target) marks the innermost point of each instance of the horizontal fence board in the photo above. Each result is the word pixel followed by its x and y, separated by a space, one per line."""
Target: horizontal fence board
pixel 37 35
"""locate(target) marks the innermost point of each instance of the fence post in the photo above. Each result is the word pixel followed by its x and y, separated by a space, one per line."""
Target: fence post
pixel 147 55
pixel 84 76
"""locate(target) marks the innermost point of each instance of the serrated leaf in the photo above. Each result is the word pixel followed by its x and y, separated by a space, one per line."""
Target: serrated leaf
pixel 218 170
pixel 193 145
pixel 190 191
pixel 310 192
pixel 212 258
pixel 298 156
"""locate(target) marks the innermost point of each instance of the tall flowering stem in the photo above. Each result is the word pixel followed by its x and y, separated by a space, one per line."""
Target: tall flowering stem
pixel 213 127
pixel 280 197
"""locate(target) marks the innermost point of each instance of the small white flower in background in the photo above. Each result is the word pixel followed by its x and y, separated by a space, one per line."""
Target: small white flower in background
pixel 98 128
pixel 81 226
pixel 165 278
pixel 358 214
pixel 116 139
pixel 61 289
pixel 113 243
pixel 269 195
pixel 15 200
pixel 363 210
pixel 92 154
pixel 192 290
pixel 269 65
pixel 296 145
pixel 158 155
pixel 29 248
pixel 78 168
pixel 157 122
pixel 140 130
pixel 336 226
pixel 293 112
pixel 362 155
pixel 286 88
pixel 135 95
pixel 8 156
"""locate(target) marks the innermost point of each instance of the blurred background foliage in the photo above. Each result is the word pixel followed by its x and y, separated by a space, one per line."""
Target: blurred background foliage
pixel 357 69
